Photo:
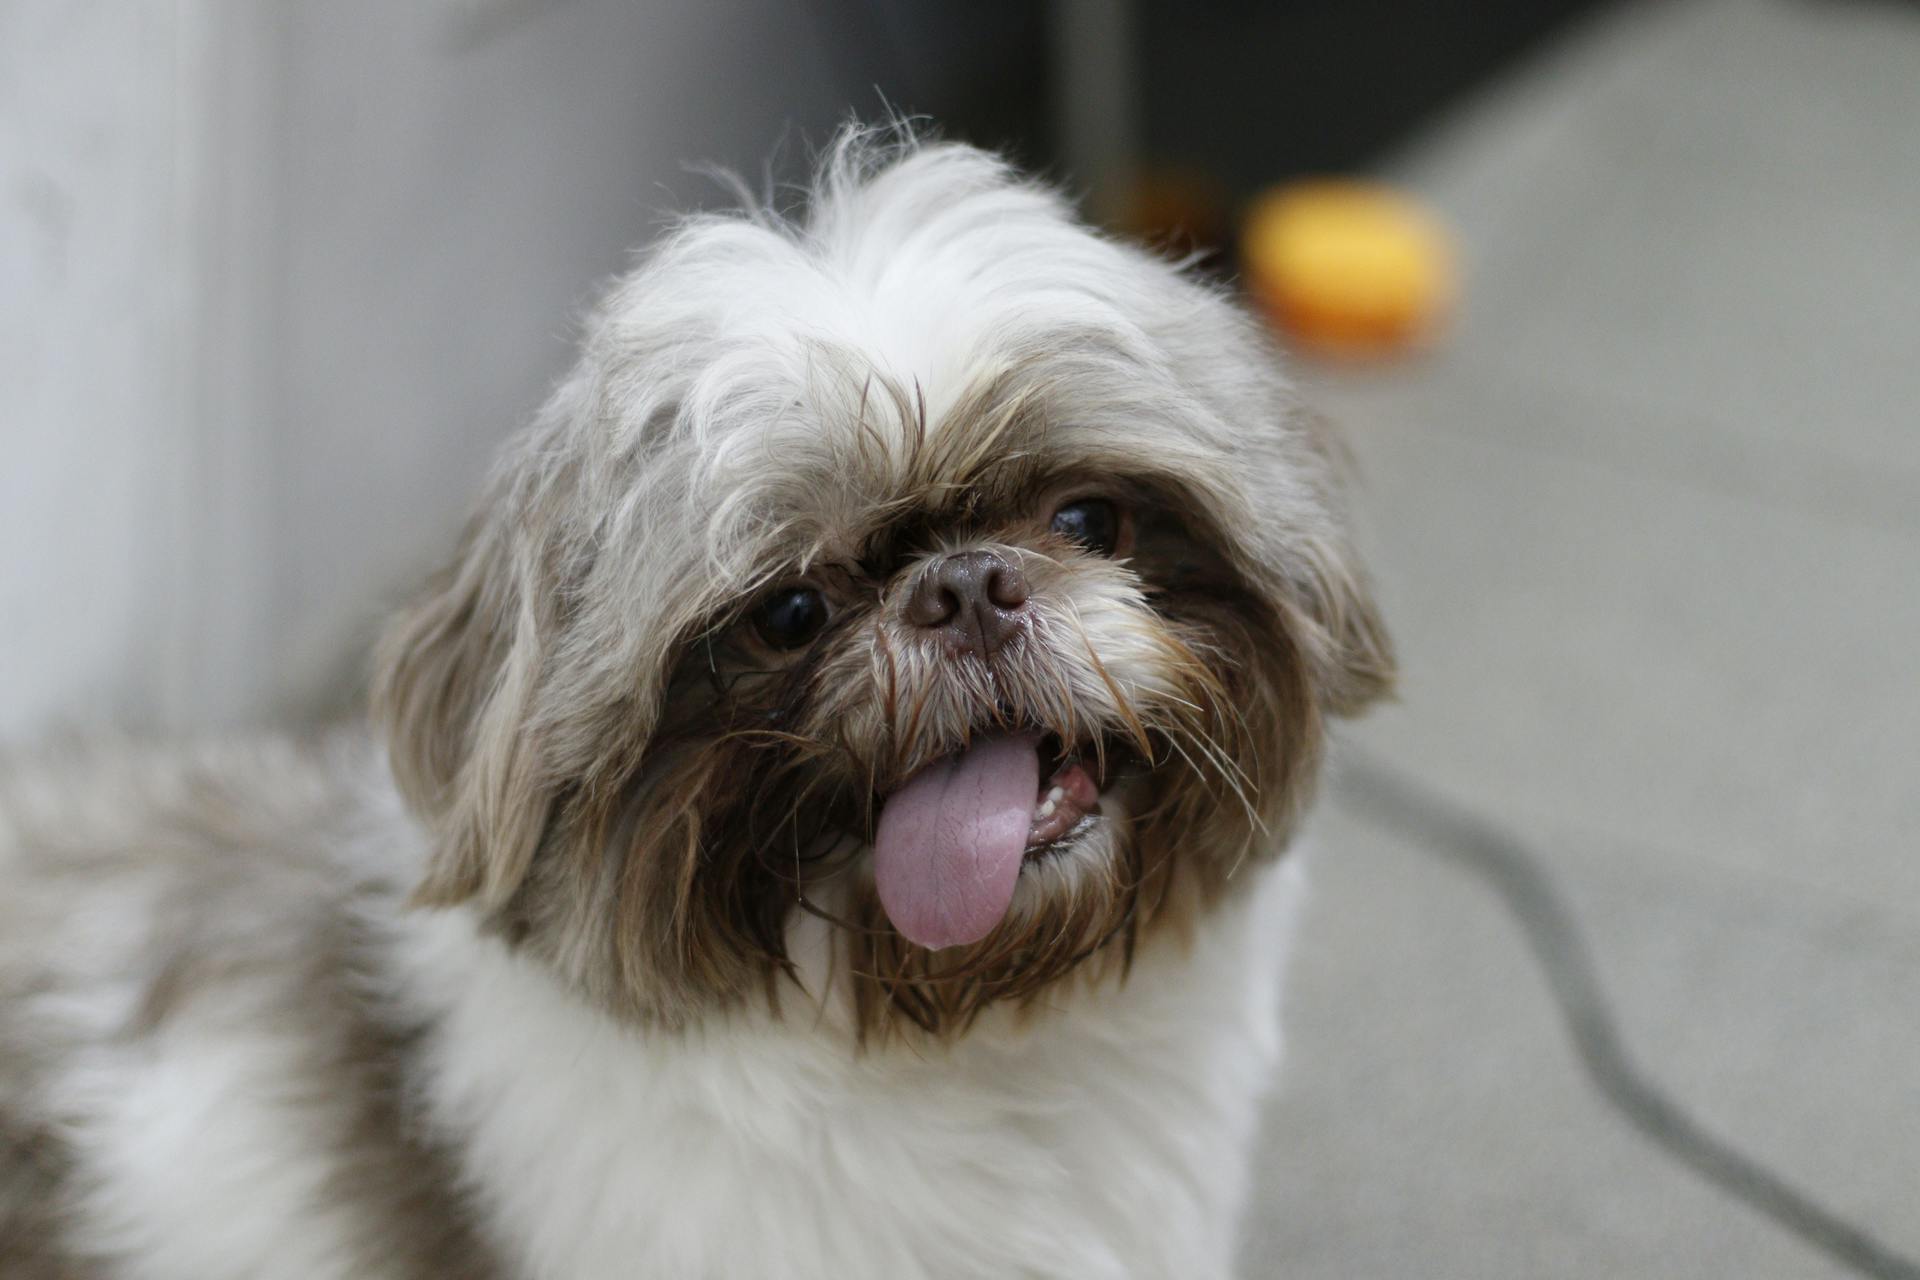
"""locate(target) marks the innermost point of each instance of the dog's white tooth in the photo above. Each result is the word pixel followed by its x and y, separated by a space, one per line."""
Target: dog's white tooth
pixel 1056 795
pixel 1045 810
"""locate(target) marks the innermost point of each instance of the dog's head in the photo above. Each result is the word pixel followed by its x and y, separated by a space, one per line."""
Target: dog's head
pixel 926 562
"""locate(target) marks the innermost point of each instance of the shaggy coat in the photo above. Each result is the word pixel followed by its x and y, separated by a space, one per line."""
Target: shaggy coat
pixel 579 965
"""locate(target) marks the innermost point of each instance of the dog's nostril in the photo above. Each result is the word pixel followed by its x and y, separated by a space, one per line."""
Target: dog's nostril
pixel 932 603
pixel 945 605
pixel 1007 586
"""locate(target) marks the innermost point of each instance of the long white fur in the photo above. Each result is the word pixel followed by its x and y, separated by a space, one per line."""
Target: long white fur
pixel 1106 1140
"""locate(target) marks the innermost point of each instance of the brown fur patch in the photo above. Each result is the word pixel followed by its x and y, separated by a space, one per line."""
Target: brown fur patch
pixel 36 1174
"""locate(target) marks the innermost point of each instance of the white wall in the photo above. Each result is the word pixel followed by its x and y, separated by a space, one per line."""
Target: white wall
pixel 275 280
pixel 92 281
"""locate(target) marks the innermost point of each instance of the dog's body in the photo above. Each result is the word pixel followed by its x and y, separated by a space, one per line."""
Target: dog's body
pixel 701 915
pixel 338 1087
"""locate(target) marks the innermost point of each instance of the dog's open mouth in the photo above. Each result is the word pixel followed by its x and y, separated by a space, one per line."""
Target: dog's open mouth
pixel 950 842
pixel 1074 778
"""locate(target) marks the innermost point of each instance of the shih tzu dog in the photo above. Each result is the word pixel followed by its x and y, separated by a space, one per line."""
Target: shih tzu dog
pixel 827 821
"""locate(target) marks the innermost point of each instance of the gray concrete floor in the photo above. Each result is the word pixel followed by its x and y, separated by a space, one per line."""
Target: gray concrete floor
pixel 1647 528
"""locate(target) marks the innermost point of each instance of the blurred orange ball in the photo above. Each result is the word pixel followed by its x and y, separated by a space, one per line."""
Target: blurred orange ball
pixel 1348 267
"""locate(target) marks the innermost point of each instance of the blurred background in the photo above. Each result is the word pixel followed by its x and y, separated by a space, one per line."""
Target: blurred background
pixel 1624 328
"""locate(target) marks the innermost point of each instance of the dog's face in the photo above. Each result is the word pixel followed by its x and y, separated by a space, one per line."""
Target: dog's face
pixel 930 565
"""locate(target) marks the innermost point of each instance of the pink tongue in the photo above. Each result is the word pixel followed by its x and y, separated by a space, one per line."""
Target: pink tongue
pixel 950 842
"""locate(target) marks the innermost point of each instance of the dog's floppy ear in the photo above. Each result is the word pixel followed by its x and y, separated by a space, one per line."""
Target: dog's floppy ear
pixel 1334 619
pixel 457 676
pixel 1310 572
pixel 1335 624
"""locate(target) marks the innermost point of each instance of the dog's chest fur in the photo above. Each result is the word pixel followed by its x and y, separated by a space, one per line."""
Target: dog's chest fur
pixel 1106 1137
pixel 201 1068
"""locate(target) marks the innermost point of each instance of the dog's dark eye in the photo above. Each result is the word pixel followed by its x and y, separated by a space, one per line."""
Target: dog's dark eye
pixel 790 617
pixel 1094 523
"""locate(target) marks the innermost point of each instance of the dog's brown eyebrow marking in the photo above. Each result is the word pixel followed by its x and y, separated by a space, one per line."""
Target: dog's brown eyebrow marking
pixel 1003 493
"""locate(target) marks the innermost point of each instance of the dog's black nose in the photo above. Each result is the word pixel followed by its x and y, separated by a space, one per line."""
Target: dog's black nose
pixel 976 600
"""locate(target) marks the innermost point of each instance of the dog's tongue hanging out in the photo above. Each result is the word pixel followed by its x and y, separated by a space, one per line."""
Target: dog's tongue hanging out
pixel 950 843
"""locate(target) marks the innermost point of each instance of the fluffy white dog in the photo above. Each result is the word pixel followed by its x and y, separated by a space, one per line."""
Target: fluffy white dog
pixel 827 821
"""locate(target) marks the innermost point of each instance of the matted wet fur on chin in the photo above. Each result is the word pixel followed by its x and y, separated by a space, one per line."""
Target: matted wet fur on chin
pixel 632 784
